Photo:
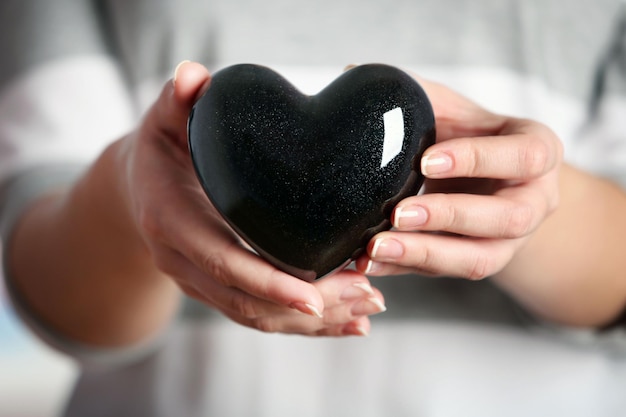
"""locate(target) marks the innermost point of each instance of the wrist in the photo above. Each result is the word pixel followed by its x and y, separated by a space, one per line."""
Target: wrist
pixel 569 270
pixel 102 196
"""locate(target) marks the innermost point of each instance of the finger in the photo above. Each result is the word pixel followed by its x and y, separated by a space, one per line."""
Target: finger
pixel 218 254
pixel 191 292
pixel 170 112
pixel 205 241
pixel 203 237
pixel 346 296
pixel 343 286
pixel 229 300
pixel 435 254
pixel 529 150
pixel 262 315
pixel 352 309
pixel 268 317
pixel 190 81
pixel 336 320
pixel 292 322
pixel 358 327
pixel 345 300
pixel 509 213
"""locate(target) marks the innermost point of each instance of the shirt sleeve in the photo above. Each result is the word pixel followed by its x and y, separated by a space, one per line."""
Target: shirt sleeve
pixel 63 99
pixel 22 190
pixel 600 146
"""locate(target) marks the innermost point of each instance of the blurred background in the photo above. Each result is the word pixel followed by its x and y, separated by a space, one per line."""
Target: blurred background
pixel 34 379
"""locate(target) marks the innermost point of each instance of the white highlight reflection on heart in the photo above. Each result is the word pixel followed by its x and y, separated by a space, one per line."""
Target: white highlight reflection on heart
pixel 394 135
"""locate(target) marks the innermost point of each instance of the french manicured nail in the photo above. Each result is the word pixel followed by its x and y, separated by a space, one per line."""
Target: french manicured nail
pixel 307 308
pixel 371 305
pixel 387 248
pixel 409 216
pixel 372 267
pixel 356 290
pixel 361 331
pixel 436 163
pixel 379 304
pixel 178 69
pixel 355 330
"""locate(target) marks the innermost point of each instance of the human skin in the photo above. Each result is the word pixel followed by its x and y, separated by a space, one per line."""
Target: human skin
pixel 505 206
pixel 103 261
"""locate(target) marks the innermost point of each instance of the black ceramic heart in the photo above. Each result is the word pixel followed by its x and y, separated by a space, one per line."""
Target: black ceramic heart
pixel 308 180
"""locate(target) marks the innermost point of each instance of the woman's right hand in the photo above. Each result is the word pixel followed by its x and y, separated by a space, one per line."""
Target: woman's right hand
pixel 189 241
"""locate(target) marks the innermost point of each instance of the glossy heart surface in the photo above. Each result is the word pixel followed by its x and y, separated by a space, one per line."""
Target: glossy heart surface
pixel 306 181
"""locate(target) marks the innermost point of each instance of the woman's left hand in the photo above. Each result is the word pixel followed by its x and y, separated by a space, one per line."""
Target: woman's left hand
pixel 491 181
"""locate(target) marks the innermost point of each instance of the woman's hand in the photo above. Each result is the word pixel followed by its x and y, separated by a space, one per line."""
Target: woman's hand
pixel 188 240
pixel 499 202
pixel 491 181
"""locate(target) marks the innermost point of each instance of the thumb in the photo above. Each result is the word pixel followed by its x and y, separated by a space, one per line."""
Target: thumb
pixel 170 112
pixel 191 80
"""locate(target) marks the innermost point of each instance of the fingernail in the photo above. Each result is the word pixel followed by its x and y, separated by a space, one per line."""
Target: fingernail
pixel 409 216
pixel 356 290
pixel 307 308
pixel 436 163
pixel 178 69
pixel 368 307
pixel 361 331
pixel 387 248
pixel 349 67
pixel 379 304
pixel 372 267
pixel 355 330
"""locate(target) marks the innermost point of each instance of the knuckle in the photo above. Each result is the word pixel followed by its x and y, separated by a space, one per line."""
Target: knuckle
pixel 451 217
pixel 266 286
pixel 481 267
pixel 518 221
pixel 474 162
pixel 266 324
pixel 425 260
pixel 214 265
pixel 533 160
pixel 243 305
